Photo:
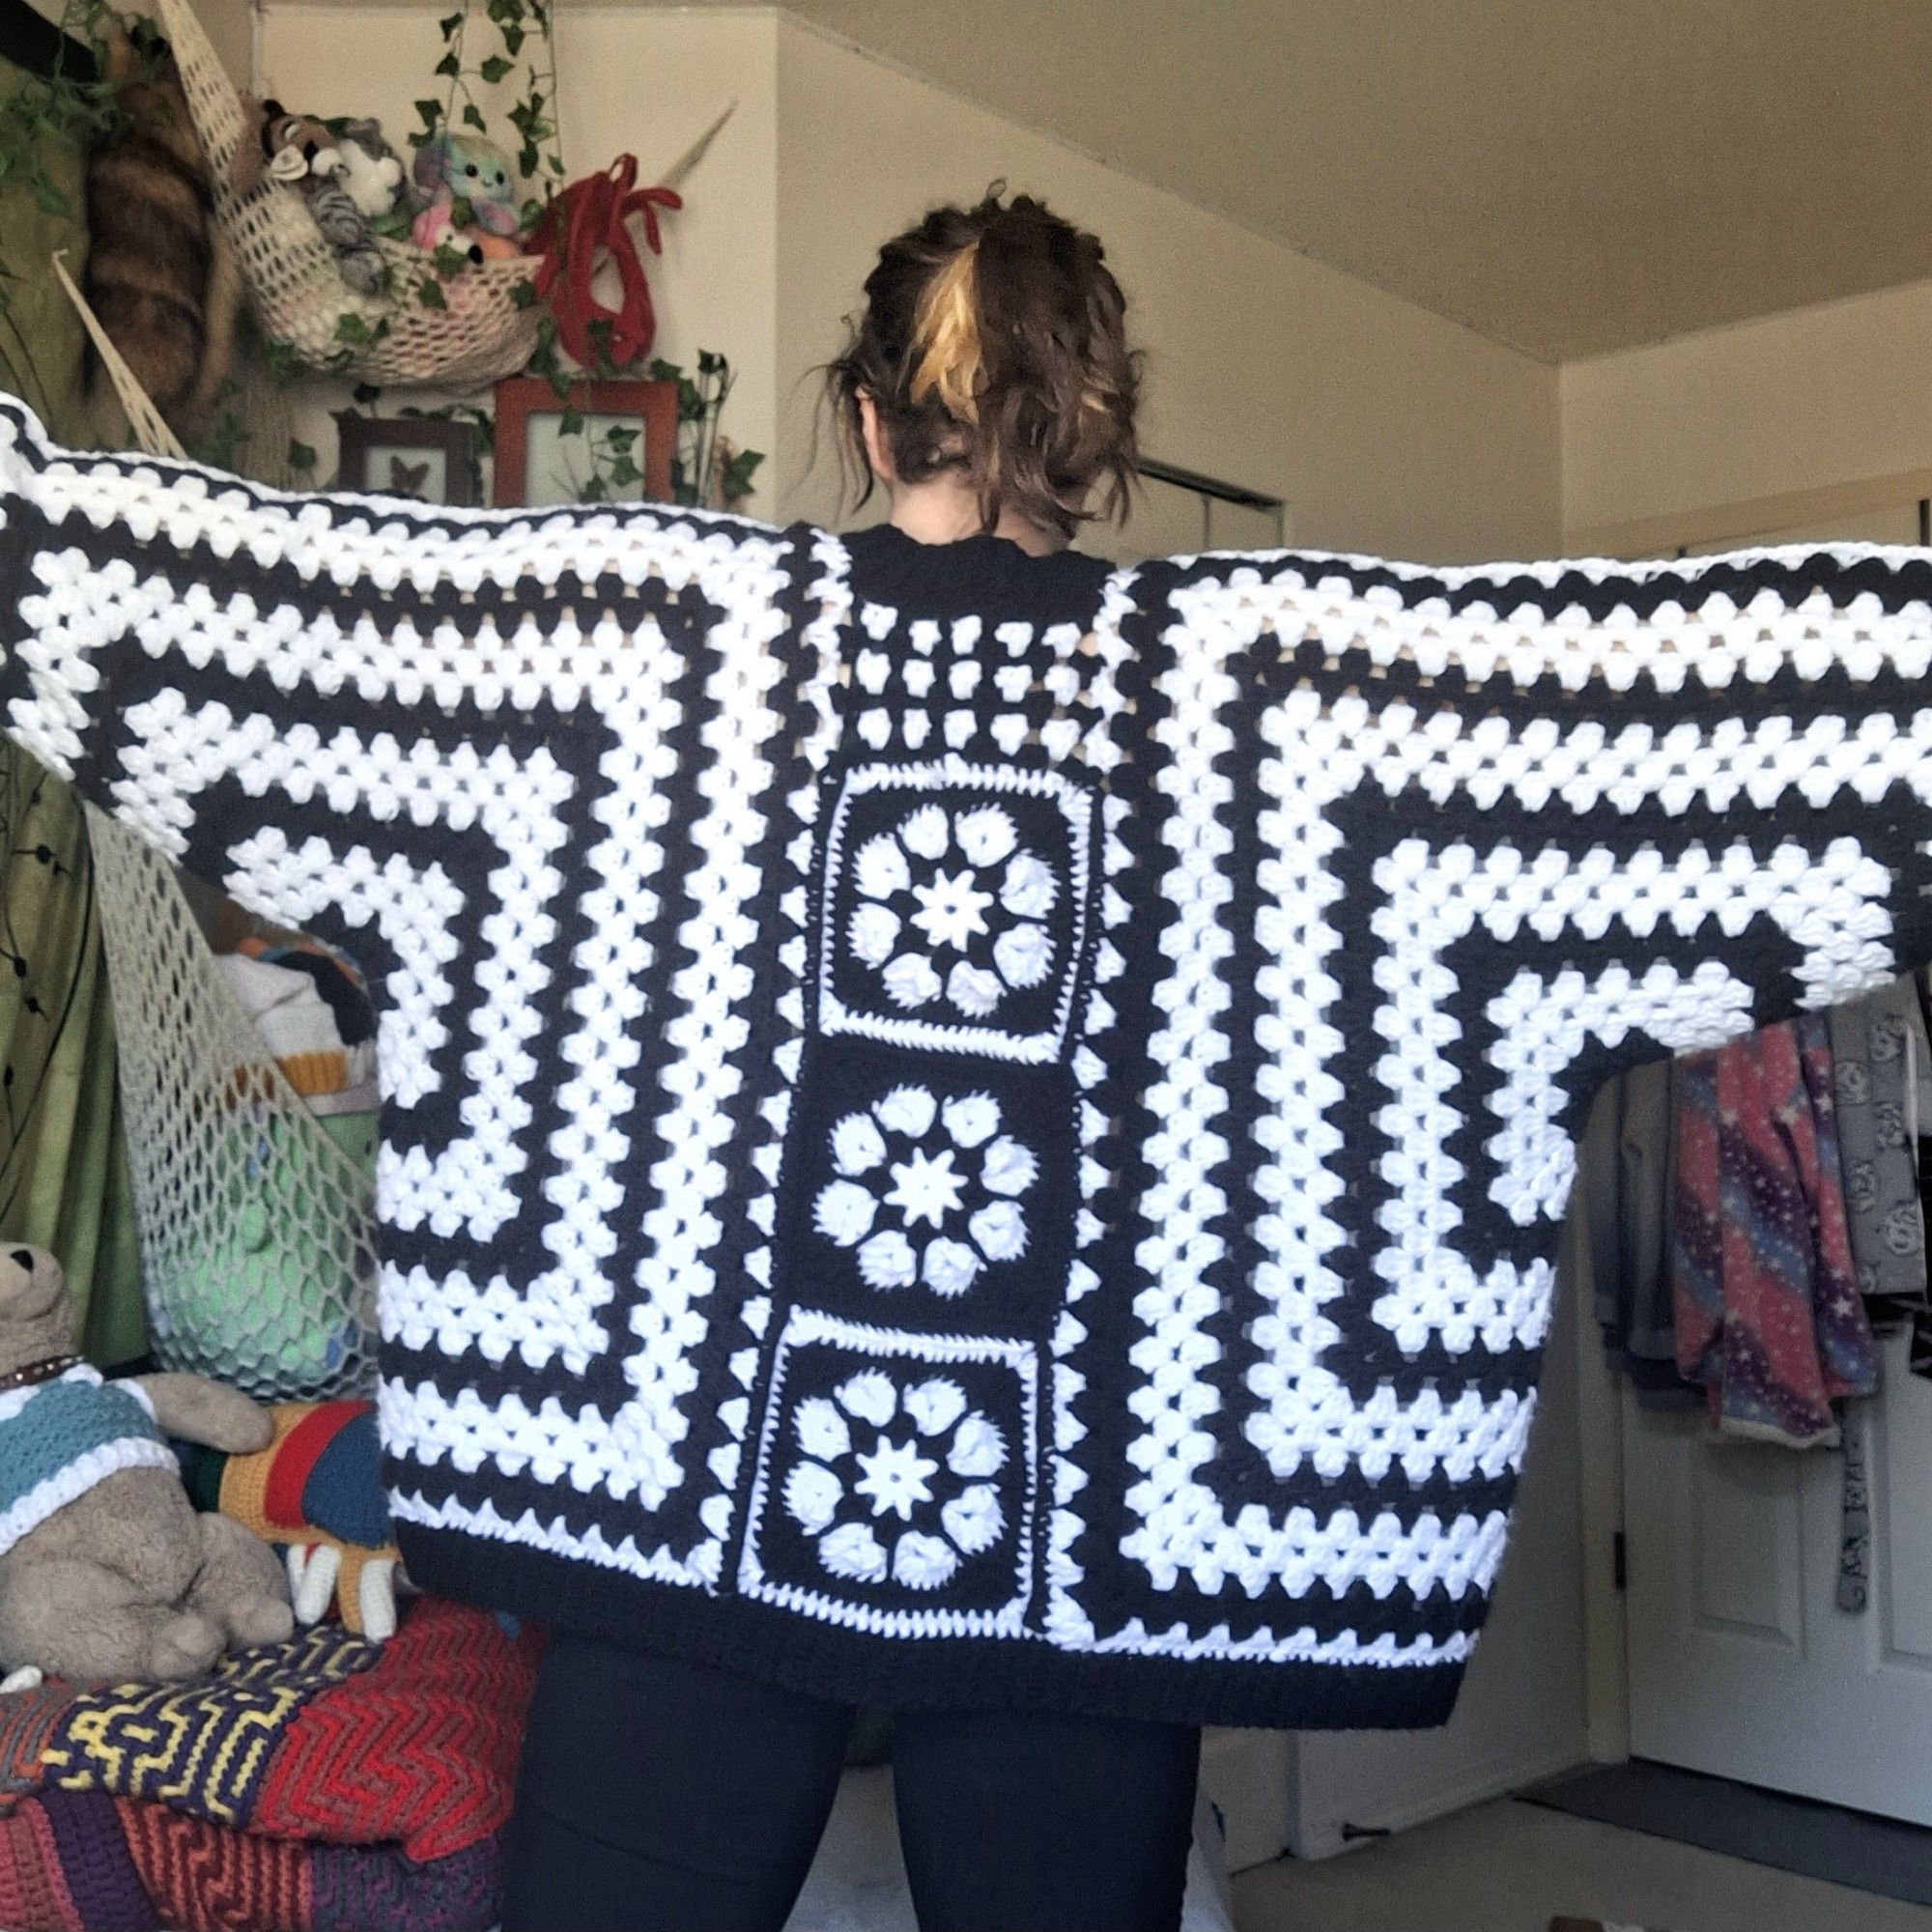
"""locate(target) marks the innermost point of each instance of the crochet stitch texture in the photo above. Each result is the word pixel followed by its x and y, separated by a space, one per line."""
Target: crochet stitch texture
pixel 956 1150
pixel 60 1438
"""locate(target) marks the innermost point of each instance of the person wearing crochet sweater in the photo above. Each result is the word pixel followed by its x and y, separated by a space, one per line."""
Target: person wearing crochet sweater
pixel 964 1133
pixel 988 387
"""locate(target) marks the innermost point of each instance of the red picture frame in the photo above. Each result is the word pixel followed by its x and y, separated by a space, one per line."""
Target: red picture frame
pixel 652 407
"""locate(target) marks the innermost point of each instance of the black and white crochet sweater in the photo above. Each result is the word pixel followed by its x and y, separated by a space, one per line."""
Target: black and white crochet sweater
pixel 962 1130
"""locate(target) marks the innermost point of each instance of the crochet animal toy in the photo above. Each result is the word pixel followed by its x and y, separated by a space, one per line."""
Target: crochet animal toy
pixel 470 170
pixel 105 1569
pixel 302 153
pixel 317 1490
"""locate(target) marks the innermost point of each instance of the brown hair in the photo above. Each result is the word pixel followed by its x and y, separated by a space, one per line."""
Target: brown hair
pixel 993 340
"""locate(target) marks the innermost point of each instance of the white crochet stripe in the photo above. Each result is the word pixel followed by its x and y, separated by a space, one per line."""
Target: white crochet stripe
pixel 1063 1621
pixel 414 907
pixel 581 1450
pixel 96 1465
pixel 824 657
pixel 1834 910
pixel 529 1531
pixel 1301 1646
pixel 1297 596
pixel 1540 1024
pixel 385 547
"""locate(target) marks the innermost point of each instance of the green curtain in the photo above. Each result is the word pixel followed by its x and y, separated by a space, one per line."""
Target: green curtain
pixel 41 335
pixel 63 1177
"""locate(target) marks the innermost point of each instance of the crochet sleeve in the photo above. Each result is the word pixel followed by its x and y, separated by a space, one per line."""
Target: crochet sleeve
pixel 1569 808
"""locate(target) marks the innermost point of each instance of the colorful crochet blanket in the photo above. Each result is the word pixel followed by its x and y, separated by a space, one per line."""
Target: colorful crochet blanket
pixel 975 1151
pixel 322 1783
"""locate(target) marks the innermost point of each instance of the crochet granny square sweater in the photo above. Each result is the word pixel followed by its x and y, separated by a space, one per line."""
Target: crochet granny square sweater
pixel 963 1131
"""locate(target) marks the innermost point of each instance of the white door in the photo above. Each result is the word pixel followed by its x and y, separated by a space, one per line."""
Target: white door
pixel 1740 1663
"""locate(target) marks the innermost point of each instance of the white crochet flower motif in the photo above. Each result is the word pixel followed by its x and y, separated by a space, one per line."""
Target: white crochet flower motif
pixel 951 907
pixel 925 1191
pixel 878 1460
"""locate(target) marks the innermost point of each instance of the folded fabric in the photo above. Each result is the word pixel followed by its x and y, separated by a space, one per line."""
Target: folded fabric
pixel 83 1861
pixel 325 1738
pixel 1767 1309
pixel 204 1747
pixel 202 1878
pixel 1619 1255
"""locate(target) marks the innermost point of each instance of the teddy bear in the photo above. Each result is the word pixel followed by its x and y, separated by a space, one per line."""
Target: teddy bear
pixel 106 1572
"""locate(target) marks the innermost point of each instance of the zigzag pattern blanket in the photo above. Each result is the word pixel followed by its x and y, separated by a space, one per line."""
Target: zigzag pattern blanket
pixel 964 1154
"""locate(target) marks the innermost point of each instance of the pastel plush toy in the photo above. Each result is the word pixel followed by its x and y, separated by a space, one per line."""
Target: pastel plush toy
pixel 105 1569
pixel 470 170
pixel 371 173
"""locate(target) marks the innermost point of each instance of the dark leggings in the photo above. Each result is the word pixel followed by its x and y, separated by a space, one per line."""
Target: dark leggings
pixel 673 1798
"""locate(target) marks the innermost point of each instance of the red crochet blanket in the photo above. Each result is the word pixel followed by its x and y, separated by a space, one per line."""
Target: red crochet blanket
pixel 317 1784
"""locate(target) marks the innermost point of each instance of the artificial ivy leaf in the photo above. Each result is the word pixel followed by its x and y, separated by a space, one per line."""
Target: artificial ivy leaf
pixel 430 112
pixel 428 292
pixel 493 69
pixel 449 64
pixel 301 455
pixel 571 422
pixel 471 118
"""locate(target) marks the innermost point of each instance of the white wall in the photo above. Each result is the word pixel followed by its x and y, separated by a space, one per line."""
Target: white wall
pixel 1386 427
pixel 1793 403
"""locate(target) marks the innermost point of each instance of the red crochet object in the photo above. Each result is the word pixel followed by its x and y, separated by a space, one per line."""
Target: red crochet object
pixel 422 1751
pixel 587 221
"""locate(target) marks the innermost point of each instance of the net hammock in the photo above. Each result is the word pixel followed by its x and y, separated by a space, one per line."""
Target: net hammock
pixel 256 1225
pixel 487 328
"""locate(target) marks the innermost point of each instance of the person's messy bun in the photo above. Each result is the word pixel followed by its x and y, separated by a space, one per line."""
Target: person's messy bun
pixel 993 342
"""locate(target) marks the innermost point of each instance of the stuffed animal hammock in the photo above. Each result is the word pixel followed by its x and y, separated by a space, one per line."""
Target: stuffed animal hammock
pixel 995 1162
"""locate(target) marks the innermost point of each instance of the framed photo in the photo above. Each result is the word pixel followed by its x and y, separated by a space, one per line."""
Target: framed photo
pixel 424 457
pixel 609 442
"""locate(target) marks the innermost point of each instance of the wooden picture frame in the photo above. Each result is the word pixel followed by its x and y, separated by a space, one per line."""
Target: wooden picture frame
pixel 425 459
pixel 536 465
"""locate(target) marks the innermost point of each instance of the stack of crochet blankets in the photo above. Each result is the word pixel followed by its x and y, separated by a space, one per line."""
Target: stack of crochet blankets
pixel 325 1784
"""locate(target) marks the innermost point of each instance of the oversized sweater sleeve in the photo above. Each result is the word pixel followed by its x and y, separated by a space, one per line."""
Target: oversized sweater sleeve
pixel 1460 844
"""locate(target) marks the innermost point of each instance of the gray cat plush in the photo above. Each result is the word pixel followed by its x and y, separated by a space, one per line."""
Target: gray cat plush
pixel 105 1569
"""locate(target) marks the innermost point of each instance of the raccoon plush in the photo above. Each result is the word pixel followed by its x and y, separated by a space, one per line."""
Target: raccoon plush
pixel 302 153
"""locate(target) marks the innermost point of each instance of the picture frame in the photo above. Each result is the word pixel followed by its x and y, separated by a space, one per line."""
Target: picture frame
pixel 426 459
pixel 622 452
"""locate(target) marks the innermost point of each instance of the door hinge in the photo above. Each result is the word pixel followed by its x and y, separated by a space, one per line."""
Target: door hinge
pixel 1620 1560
